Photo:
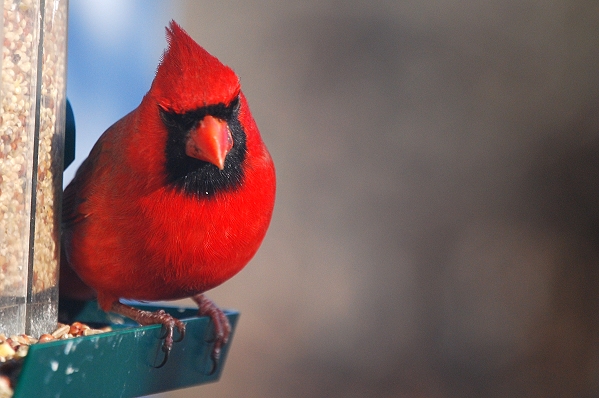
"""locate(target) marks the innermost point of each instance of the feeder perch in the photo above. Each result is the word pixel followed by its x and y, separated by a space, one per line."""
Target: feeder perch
pixel 121 363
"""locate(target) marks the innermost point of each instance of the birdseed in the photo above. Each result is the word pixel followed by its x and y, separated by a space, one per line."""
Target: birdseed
pixel 16 347
pixel 21 175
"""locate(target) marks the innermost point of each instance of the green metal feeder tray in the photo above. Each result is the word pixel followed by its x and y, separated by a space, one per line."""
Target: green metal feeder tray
pixel 121 363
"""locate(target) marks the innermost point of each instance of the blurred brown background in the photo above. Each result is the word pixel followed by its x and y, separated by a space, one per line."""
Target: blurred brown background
pixel 436 232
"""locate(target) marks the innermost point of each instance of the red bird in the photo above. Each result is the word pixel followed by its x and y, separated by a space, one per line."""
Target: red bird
pixel 175 197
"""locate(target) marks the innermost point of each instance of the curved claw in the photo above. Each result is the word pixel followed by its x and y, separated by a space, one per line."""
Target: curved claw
pixel 222 327
pixel 169 323
pixel 151 318
pixel 167 336
pixel 214 366
pixel 180 329
pixel 215 357
pixel 166 351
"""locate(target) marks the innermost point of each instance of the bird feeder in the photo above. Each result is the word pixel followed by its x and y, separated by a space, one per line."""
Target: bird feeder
pixel 33 64
pixel 32 155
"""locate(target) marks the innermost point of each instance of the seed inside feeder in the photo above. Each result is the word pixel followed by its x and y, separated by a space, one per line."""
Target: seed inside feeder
pixel 32 108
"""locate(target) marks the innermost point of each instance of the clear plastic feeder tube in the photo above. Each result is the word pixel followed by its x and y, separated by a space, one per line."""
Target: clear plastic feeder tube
pixel 33 66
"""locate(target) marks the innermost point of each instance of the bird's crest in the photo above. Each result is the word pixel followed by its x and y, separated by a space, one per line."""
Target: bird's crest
pixel 189 78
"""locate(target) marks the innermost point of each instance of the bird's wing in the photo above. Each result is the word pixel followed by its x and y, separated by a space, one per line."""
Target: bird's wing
pixel 75 207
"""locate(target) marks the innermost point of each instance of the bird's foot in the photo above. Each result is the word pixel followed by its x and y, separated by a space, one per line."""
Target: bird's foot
pixel 153 318
pixel 222 327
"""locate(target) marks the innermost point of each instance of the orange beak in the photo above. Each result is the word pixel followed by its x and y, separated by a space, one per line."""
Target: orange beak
pixel 211 141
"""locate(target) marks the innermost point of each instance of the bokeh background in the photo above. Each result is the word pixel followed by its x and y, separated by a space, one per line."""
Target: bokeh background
pixel 436 232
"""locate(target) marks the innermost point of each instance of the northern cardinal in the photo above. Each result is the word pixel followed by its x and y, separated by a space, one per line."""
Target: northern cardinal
pixel 174 198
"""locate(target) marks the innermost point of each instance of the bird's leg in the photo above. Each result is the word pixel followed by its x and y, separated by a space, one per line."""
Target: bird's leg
pixel 222 327
pixel 153 318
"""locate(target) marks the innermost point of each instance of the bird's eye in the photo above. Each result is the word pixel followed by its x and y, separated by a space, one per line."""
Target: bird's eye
pixel 234 105
pixel 183 122
pixel 168 118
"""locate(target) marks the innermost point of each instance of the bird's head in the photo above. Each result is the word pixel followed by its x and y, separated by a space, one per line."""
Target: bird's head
pixel 199 100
